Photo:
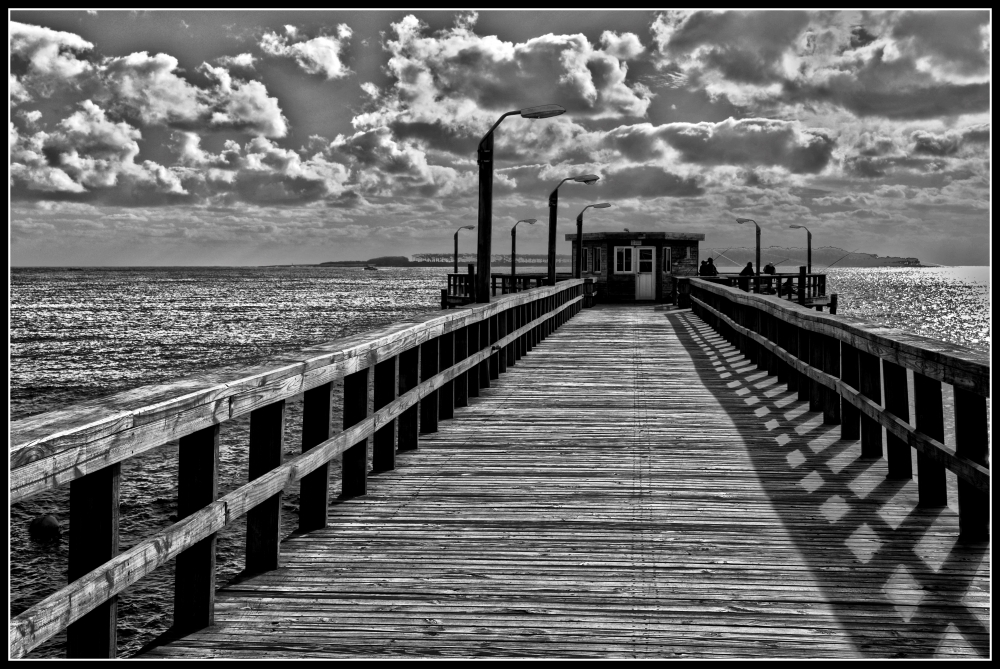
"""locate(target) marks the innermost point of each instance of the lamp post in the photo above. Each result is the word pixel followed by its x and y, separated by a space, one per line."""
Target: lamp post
pixel 513 246
pixel 809 247
pixel 464 227
pixel 588 179
pixel 485 160
pixel 756 287
pixel 578 270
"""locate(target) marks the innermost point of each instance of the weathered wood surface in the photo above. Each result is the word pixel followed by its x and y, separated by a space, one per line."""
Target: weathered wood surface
pixel 958 365
pixel 55 447
pixel 631 488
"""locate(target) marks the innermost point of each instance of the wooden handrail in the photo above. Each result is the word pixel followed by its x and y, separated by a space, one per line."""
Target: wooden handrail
pixel 838 364
pixel 70 445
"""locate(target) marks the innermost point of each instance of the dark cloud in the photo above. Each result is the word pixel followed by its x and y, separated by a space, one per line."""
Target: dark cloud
pixel 647 181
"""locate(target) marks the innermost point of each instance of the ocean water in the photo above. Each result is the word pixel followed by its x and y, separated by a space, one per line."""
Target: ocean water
pixel 81 333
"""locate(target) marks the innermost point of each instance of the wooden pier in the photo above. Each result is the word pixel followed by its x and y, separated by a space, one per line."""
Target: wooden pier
pixel 552 481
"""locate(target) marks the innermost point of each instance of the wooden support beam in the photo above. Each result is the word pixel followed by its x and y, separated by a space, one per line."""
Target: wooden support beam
pixel 850 415
pixel 93 540
pixel 484 343
pixel 446 358
pixel 267 437
pixel 408 378
pixel 830 350
pixel 870 380
pixel 928 406
pixel 494 365
pixel 462 380
pixel 314 491
pixel 897 402
pixel 972 440
pixel 354 465
pixel 474 346
pixel 429 404
pixel 384 439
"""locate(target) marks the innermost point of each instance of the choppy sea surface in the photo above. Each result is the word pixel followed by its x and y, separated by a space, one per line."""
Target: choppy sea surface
pixel 82 333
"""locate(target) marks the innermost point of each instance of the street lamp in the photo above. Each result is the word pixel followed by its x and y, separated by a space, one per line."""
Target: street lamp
pixel 485 160
pixel 513 245
pixel 809 247
pixel 588 179
pixel 464 227
pixel 578 270
pixel 756 288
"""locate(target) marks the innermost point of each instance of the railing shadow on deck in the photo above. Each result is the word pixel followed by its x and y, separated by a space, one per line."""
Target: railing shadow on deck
pixel 864 545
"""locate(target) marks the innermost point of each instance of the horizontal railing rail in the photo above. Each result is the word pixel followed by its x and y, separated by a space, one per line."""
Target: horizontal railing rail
pixel 513 283
pixel 440 360
pixel 842 364
pixel 803 287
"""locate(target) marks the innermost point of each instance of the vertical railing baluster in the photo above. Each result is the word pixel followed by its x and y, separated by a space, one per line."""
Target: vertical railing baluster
pixel 494 356
pixel 830 351
pixel 805 383
pixel 354 465
pixel 446 358
pixel 897 402
pixel 972 441
pixel 484 343
pixel 383 393
pixel 428 369
pixel 93 540
pixel 314 489
pixel 406 428
pixel 928 406
pixel 474 347
pixel 462 380
pixel 870 379
pixel 267 437
pixel 501 333
pixel 194 571
pixel 850 415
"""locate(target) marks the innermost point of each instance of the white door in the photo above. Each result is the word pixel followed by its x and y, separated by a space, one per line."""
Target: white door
pixel 645 276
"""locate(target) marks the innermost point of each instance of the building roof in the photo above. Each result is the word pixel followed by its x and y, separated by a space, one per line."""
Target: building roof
pixel 627 236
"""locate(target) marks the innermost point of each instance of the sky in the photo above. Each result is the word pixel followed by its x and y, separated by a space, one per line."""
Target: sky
pixel 280 137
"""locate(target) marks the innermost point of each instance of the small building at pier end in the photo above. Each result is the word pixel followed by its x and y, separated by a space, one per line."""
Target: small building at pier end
pixel 637 266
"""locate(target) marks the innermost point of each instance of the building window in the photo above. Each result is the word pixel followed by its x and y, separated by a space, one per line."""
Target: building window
pixel 623 260
pixel 666 259
pixel 587 254
pixel 597 259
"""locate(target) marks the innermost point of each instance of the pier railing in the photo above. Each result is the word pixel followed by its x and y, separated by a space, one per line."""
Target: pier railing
pixel 424 367
pixel 802 287
pixel 841 365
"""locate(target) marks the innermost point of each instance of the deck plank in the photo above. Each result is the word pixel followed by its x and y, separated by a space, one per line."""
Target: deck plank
pixel 632 487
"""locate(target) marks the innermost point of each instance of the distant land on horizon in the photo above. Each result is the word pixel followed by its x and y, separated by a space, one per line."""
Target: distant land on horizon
pixel 783 257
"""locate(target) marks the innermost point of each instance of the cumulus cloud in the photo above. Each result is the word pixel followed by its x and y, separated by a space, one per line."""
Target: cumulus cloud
pixel 320 55
pixel 88 151
pixel 240 61
pixel 908 65
pixel 244 105
pixel 623 47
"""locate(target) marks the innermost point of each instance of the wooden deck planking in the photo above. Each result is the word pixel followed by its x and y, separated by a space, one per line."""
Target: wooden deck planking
pixel 632 487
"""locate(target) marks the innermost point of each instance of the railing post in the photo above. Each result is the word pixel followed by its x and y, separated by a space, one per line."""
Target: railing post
pixel 831 365
pixel 850 415
pixel 509 328
pixel 444 296
pixel 805 383
pixel 267 437
pixel 972 440
pixel 384 392
pixel 484 343
pixel 462 380
pixel 429 403
pixel 93 540
pixel 517 314
pixel 792 346
pixel 501 323
pixel 833 304
pixel 870 379
pixel 446 394
pixel 473 374
pixel 354 466
pixel 588 293
pixel 194 572
pixel 314 489
pixel 494 357
pixel 897 402
pixel 929 409
pixel 409 366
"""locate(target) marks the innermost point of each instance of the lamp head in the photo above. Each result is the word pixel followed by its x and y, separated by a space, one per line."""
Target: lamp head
pixel 467 227
pixel 797 226
pixel 744 220
pixel 529 221
pixel 602 205
pixel 589 179
pixel 542 111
